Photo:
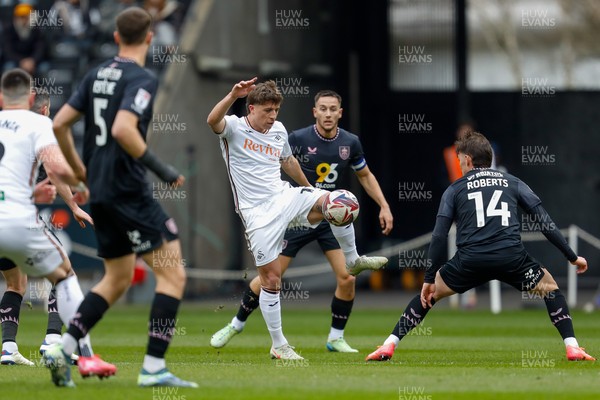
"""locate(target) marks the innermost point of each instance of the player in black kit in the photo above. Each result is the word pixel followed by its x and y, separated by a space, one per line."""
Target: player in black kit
pixel 326 154
pixel 116 99
pixel 483 203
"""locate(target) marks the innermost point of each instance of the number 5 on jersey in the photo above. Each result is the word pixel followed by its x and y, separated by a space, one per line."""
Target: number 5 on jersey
pixel 99 105
pixel 491 210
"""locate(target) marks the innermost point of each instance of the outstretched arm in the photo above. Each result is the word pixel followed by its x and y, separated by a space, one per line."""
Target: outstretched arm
pixel 532 205
pixel 371 186
pixel 556 238
pixel 216 118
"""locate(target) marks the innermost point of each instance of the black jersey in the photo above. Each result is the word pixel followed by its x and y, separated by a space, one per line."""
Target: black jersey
pixel 326 162
pixel 117 84
pixel 484 204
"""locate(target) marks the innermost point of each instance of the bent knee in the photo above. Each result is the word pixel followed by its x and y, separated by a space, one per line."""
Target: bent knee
pixel 547 284
pixel 346 282
pixel 271 282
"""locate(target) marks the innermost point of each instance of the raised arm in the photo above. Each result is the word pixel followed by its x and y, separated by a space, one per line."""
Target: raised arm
pixel 216 118
pixel 371 186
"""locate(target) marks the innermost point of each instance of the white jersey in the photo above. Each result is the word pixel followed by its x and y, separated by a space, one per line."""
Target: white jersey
pixel 23 134
pixel 253 160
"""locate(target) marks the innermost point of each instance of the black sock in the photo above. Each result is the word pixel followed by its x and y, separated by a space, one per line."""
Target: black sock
pixel 411 317
pixel 10 308
pixel 558 310
pixel 162 324
pixel 340 312
pixel 90 311
pixel 54 322
pixel 248 304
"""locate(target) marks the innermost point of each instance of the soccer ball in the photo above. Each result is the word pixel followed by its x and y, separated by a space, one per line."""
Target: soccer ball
pixel 340 208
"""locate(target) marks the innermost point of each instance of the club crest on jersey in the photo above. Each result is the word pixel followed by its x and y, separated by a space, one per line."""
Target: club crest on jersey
pixel 344 152
pixel 312 150
pixel 141 100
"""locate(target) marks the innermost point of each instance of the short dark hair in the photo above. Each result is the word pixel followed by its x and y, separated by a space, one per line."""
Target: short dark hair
pixel 328 93
pixel 476 146
pixel 15 85
pixel 263 93
pixel 133 25
pixel 42 99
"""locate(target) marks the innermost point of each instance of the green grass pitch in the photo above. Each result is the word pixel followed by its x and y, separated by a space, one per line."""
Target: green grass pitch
pixel 455 355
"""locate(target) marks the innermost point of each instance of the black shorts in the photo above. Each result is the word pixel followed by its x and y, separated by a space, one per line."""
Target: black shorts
pixel 6 264
pixel 297 238
pixel 137 226
pixel 521 271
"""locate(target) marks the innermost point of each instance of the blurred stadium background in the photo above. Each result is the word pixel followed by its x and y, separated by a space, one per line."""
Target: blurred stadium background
pixel 526 73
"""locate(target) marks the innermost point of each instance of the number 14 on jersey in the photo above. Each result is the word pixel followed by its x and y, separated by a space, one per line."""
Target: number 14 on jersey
pixel 492 209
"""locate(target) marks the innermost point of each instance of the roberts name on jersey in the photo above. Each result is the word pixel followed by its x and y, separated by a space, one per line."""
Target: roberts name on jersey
pixel 486 179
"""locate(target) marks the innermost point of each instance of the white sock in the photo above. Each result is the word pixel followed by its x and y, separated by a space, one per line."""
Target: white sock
pixel 345 237
pixel 571 341
pixel 335 334
pixel 237 324
pixel 270 307
pixel 392 339
pixel 68 298
pixel 69 344
pixel 52 338
pixel 11 347
pixel 85 346
pixel 153 364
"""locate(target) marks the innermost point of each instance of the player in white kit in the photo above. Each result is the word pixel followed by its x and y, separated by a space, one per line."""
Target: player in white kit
pixel 255 149
pixel 26 140
pixel 16 281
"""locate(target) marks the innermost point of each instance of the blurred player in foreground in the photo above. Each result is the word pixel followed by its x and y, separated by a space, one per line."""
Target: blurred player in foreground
pixel 326 154
pixel 116 99
pixel 484 203
pixel 16 281
pixel 26 140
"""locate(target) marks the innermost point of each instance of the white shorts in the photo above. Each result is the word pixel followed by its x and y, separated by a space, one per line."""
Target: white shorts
pixel 266 223
pixel 33 248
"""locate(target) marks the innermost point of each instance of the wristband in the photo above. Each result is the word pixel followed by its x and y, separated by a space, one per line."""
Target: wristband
pixel 164 171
